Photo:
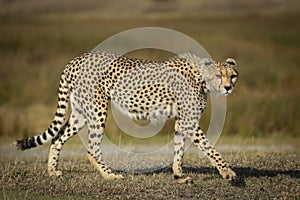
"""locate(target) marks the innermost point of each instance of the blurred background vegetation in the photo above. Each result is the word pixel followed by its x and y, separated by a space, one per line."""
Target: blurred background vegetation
pixel 38 37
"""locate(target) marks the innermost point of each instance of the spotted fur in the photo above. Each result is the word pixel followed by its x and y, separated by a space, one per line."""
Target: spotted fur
pixel 176 88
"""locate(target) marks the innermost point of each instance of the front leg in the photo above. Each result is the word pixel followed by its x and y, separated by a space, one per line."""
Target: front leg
pixel 202 143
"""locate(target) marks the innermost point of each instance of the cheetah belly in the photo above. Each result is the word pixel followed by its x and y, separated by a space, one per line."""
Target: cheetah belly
pixel 155 112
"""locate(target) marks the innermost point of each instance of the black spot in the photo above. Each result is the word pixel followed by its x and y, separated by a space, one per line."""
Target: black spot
pixel 59 114
pixel 196 141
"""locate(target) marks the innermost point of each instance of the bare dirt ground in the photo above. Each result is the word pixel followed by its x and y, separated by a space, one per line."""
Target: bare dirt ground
pixel 262 175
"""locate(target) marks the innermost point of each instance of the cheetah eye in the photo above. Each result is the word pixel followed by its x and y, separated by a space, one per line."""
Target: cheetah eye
pixel 233 76
pixel 219 76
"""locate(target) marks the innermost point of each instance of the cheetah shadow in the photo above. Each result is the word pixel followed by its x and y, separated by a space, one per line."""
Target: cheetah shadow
pixel 242 173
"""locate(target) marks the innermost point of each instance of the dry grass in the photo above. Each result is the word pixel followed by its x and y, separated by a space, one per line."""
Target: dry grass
pixel 263 175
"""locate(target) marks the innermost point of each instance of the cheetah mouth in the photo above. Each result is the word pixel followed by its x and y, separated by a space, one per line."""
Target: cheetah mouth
pixel 226 93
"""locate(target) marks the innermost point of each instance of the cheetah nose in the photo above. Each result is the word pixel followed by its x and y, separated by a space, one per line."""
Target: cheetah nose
pixel 227 87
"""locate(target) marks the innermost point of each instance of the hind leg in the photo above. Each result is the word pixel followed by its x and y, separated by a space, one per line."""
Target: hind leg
pixel 96 126
pixel 95 154
pixel 54 153
pixel 71 128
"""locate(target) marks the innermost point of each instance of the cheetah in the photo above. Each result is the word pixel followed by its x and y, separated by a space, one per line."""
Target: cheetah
pixel 144 90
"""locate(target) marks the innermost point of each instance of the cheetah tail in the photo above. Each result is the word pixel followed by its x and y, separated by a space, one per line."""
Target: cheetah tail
pixel 56 125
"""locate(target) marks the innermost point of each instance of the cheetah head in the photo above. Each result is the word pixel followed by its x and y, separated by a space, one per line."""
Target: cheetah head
pixel 219 77
pixel 226 75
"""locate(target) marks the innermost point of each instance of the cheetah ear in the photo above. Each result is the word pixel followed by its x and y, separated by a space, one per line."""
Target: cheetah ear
pixel 231 61
pixel 206 61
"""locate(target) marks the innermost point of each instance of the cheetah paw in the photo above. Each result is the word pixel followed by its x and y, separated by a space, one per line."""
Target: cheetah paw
pixel 114 177
pixel 229 174
pixel 187 180
pixel 55 173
